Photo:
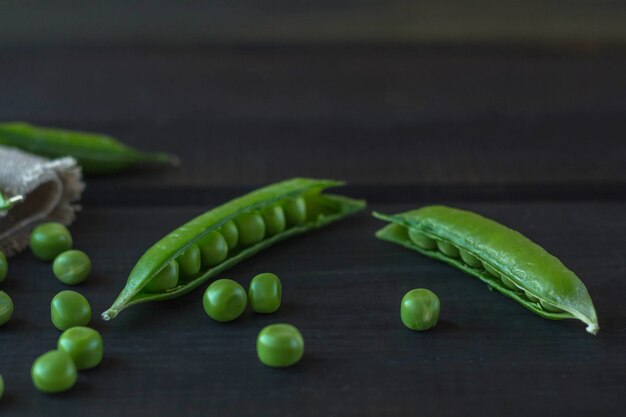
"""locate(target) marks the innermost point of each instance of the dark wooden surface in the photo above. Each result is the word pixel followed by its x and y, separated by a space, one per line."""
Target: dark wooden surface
pixel 532 137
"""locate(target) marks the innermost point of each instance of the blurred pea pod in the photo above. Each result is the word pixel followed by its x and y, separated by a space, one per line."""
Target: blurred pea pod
pixel 8 202
pixel 97 154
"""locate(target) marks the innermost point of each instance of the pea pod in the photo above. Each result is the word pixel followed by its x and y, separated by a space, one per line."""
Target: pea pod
pixel 320 210
pixel 504 259
pixel 95 153
pixel 8 202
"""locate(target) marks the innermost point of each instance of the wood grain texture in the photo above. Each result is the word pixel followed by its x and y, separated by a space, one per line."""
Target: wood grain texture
pixel 370 115
pixel 342 288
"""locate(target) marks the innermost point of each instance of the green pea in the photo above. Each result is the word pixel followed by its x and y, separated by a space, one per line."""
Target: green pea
pixel 470 259
pixel 295 211
pixel 166 279
pixel 1 386
pixel 448 249
pixel 274 217
pixel 531 297
pixel 419 309
pixel 422 240
pixel 265 293
pixel 69 309
pixel 549 307
pixel 6 307
pixel 190 261
pixel 72 267
pixel 213 249
pixel 231 234
pixel 53 372
pixel 279 345
pixel 83 344
pixel 491 271
pixel 4 266
pixel 507 282
pixel 224 300
pixel 251 228
pixel 48 240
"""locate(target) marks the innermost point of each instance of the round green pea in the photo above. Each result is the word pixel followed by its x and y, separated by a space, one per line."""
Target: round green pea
pixel 531 297
pixel 265 293
pixel 6 307
pixel 224 300
pixel 164 280
pixel 48 240
pixel 189 262
pixel 295 210
pixel 274 217
pixel 83 344
pixel 279 345
pixel 69 309
pixel 422 240
pixel 419 309
pixel 470 259
pixel 231 234
pixel 4 266
pixel 251 228
pixel 549 307
pixel 213 249
pixel 491 270
pixel 448 249
pixel 53 372
pixel 72 267
pixel 507 282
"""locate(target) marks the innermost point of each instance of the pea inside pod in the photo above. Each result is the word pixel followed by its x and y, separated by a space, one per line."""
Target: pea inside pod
pixel 506 260
pixel 234 231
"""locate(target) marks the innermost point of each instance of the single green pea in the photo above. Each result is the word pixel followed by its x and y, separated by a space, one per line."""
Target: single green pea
pixel 69 309
pixel 448 249
pixel 6 307
pixel 419 309
pixel 190 261
pixel 72 267
pixel 166 279
pixel 224 300
pixel 279 345
pixel 508 283
pixel 251 228
pixel 491 271
pixel 213 249
pixel 4 266
pixel 1 386
pixel 265 293
pixel 422 240
pixel 48 240
pixel 295 211
pixel 83 344
pixel 549 307
pixel 54 372
pixel 470 259
pixel 531 297
pixel 274 218
pixel 231 234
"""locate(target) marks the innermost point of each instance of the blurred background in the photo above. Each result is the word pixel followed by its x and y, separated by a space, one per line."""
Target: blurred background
pixel 487 97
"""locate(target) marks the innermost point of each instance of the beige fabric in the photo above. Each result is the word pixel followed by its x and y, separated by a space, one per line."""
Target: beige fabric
pixel 50 189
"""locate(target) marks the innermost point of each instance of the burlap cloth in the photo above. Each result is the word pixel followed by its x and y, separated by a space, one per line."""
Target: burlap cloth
pixel 50 189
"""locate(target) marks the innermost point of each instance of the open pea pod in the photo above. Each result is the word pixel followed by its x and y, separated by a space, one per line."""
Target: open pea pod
pixel 228 234
pixel 96 154
pixel 504 259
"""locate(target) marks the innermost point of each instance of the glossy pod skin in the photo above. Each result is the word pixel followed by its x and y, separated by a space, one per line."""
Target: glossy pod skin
pixel 498 256
pixel 329 208
pixel 96 154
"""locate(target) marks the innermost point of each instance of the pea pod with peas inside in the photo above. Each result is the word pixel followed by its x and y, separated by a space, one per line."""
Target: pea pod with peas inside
pixel 228 234
pixel 504 259
pixel 96 153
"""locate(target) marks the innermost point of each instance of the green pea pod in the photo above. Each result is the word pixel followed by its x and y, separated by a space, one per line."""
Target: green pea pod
pixel 95 153
pixel 504 259
pixel 8 202
pixel 320 210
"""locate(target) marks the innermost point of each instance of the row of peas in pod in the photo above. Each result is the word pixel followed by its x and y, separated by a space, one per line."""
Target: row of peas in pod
pixel 278 345
pixel 244 231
